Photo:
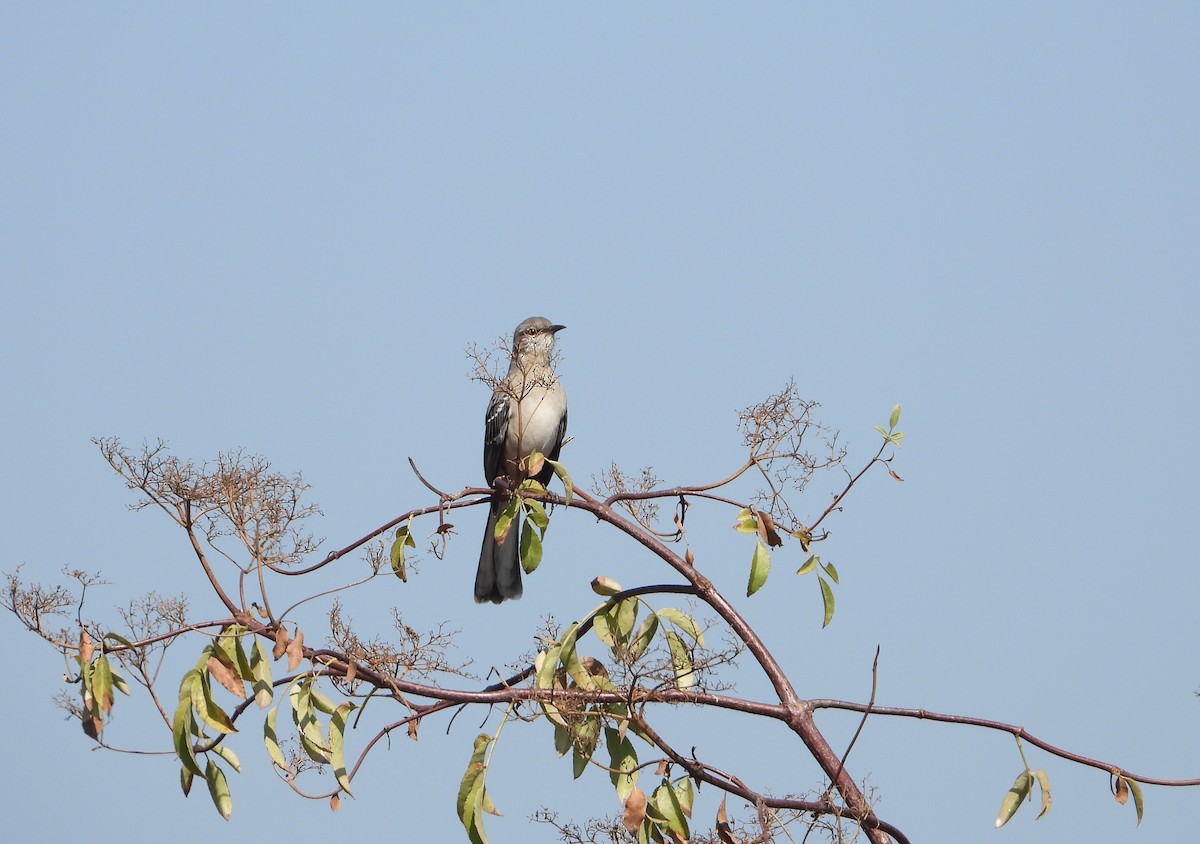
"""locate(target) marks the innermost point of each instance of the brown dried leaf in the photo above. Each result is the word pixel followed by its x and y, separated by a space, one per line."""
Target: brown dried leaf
pixel 335 803
pixel 664 768
pixel 227 677
pixel 281 642
pixel 1122 791
pixel 894 475
pixel 635 810
pixel 85 646
pixel 295 650
pixel 766 529
pixel 351 670
pixel 92 725
pixel 689 557
pixel 724 831
pixel 413 726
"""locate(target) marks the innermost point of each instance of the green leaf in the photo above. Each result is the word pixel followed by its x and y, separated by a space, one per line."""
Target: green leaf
pixel 208 710
pixel 403 540
pixel 470 792
pixel 546 664
pixel 760 567
pixel 271 739
pixel 624 616
pixel 623 762
pixel 119 683
pixel 531 549
pixel 505 519
pixel 240 660
pixel 544 679
pixel 831 571
pixel 102 683
pixel 645 635
pixel 260 670
pixel 488 806
pixel 535 512
pixel 1043 780
pixel 827 600
pixel 534 464
pixel 570 659
pixel 305 720
pixel 1138 805
pixel 562 740
pixel 564 476
pixel 185 685
pixel 810 565
pixel 684 622
pixel 230 644
pixel 587 735
pixel 746 521
pixel 320 700
pixel 1015 797
pixel 685 793
pixel 531 485
pixel 664 806
pixel 603 623
pixel 185 780
pixel 117 637
pixel 337 731
pixel 219 789
pixel 181 737
pixel 226 752
pixel 315 749
pixel 681 661
pixel 895 418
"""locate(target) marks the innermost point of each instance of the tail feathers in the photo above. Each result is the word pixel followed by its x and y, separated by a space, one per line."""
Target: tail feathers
pixel 498 578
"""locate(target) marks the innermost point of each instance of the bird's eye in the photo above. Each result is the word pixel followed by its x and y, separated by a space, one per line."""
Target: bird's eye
pixel 531 331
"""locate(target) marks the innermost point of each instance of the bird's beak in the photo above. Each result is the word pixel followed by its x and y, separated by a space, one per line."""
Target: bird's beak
pixel 554 329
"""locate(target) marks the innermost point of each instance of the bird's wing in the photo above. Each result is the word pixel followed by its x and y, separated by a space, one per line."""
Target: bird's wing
pixel 495 432
pixel 559 437
pixel 548 471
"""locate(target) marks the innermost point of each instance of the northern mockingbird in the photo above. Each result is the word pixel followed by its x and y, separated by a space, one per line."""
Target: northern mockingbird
pixel 527 413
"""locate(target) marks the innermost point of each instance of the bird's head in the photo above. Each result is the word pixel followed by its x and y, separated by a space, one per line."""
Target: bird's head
pixel 535 336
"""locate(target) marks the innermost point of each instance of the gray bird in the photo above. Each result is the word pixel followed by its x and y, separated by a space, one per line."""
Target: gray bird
pixel 527 413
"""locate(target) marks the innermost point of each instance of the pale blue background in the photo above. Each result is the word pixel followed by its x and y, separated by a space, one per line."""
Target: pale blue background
pixel 278 227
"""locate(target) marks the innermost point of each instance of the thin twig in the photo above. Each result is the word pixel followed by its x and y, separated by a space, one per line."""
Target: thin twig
pixel 866 712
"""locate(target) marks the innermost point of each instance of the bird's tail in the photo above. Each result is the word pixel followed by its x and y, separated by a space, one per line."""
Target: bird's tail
pixel 498 578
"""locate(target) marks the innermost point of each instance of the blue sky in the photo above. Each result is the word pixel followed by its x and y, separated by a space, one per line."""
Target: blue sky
pixel 278 228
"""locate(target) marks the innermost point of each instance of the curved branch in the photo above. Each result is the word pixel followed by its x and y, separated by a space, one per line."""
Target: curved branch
pixel 420 511
pixel 799 713
pixel 1000 726
pixel 702 773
